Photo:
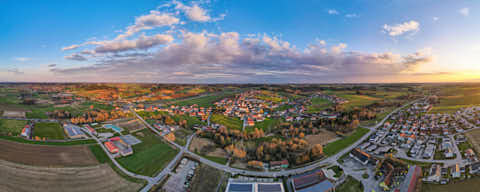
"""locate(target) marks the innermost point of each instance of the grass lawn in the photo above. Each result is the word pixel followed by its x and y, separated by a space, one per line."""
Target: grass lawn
pixel 149 157
pixel 318 104
pixel 266 125
pixel 350 185
pixel 220 160
pixel 229 122
pixel 468 185
pixel 102 157
pixel 49 130
pixel 11 126
pixel 191 121
pixel 338 145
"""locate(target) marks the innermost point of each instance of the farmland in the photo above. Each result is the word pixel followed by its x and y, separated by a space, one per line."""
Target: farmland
pixel 453 98
pixel 11 126
pixel 357 100
pixel 229 122
pixel 469 185
pixel 48 130
pixel 204 101
pixel 43 155
pixel 474 138
pixel 265 125
pixel 338 145
pixel 100 178
pixel 150 156
pixel 318 104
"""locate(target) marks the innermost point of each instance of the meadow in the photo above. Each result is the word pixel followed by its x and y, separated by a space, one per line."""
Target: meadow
pixel 453 98
pixel 48 130
pixel 150 156
pixel 229 122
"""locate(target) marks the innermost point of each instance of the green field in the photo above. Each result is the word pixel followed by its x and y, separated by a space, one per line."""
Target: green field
pixel 150 156
pixel 229 122
pixel 357 100
pixel 48 130
pixel 205 101
pixel 11 127
pixel 453 98
pixel 350 185
pixel 191 121
pixel 219 160
pixel 102 157
pixel 266 125
pixel 468 185
pixel 318 105
pixel 338 145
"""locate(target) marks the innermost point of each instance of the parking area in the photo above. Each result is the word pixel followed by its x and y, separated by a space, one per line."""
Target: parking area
pixel 357 170
pixel 180 179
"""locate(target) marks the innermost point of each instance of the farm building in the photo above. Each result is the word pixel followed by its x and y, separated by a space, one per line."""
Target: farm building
pixel 73 131
pixel 111 147
pixel 254 187
pixel 312 181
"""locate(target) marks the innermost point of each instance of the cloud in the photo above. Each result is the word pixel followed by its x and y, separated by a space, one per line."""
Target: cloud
pixel 398 29
pixel 153 20
pixel 352 15
pixel 142 43
pixel 76 57
pixel 226 57
pixel 333 12
pixel 52 65
pixel 464 11
pixel 15 71
pixel 22 59
pixel 194 12
pixel 435 18
pixel 71 47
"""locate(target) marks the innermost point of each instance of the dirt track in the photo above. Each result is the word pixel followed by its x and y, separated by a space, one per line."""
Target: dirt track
pixel 98 178
pixel 43 155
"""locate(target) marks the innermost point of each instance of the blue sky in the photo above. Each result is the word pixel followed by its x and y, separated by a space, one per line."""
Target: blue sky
pixel 240 41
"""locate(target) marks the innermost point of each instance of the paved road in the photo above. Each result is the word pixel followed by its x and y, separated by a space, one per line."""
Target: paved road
pixel 329 160
pixel 30 119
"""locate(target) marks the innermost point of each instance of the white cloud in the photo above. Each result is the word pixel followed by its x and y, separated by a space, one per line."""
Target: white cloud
pixel 22 59
pixel 142 43
pixel 71 47
pixel 194 12
pixel 333 12
pixel 153 20
pixel 464 11
pixel 399 29
pixel 435 18
pixel 351 15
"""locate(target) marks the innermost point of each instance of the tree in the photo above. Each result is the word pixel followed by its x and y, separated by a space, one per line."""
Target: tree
pixel 317 150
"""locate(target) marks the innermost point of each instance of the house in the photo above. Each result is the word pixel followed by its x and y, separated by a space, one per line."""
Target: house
pixel 360 156
pixel 456 171
pixel 279 164
pixel 26 131
pixel 435 174
pixel 475 168
pixel 111 147
pixel 123 147
pixel 73 131
pixel 91 130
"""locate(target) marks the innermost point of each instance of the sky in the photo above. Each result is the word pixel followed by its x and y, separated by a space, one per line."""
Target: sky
pixel 213 41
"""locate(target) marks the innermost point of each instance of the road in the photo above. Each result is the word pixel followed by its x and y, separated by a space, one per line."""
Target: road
pixel 234 171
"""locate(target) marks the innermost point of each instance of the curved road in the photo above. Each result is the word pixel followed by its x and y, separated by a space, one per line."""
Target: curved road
pixel 329 160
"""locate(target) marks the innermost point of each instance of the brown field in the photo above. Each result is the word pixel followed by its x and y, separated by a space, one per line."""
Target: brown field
pixel 14 114
pixel 98 178
pixel 474 138
pixel 43 155
pixel 322 138
pixel 199 143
